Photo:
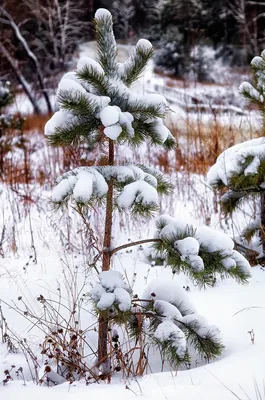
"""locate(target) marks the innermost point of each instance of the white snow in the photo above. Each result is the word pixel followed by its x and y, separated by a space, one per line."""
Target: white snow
pixel 63 189
pixel 113 131
pixel 82 183
pixel 97 291
pixel 167 310
pixel 144 44
pixel 109 116
pixel 102 13
pixel 111 290
pixel 111 280
pixel 168 331
pixel 187 246
pixel 83 189
pixel 71 85
pixel 232 161
pixel 246 87
pixel 106 301
pixel 89 62
pixel 123 299
pixel 170 291
pixel 161 130
pixel 214 240
pixel 58 120
pixel 257 62
pixel 138 192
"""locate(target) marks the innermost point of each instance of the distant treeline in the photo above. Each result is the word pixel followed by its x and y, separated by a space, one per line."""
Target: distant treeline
pixel 41 35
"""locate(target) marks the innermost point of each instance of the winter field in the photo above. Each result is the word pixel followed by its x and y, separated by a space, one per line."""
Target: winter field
pixel 48 254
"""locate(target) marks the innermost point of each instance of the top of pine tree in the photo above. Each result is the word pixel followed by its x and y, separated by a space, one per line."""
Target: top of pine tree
pixel 96 102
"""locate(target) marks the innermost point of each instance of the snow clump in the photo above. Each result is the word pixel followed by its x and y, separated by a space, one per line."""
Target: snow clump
pixel 111 290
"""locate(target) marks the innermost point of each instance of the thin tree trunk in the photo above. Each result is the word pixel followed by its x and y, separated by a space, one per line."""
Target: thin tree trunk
pixel 262 220
pixel 103 320
pixel 10 21
pixel 21 79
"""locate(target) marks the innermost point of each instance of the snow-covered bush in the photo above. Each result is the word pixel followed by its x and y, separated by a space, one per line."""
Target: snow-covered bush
pixel 98 107
pixel 239 170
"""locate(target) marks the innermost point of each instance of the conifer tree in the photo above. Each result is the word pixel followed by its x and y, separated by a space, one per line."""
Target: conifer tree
pixel 98 107
pixel 239 170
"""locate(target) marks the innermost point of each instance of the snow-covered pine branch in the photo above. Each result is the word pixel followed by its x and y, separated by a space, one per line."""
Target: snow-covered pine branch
pixel 201 252
pixel 137 187
pixel 175 325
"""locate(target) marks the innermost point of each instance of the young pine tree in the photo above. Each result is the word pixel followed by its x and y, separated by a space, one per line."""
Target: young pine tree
pixel 239 170
pixel 98 107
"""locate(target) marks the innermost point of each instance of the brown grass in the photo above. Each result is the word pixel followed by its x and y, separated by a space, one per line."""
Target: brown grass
pixel 36 122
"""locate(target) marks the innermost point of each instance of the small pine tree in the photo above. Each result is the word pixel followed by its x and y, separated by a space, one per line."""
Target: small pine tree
pixel 98 107
pixel 239 170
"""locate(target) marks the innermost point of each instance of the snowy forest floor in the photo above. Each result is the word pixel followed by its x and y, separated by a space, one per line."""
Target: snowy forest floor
pixel 42 250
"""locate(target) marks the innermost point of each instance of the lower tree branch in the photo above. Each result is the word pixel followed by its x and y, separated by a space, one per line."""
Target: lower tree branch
pixel 125 246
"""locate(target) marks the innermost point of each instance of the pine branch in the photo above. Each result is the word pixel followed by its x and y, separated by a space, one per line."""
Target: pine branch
pixel 135 65
pixel 145 111
pixel 164 186
pixel 74 132
pixel 93 77
pixel 106 44
pixel 78 104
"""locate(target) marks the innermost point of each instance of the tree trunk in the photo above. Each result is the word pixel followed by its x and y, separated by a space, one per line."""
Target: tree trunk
pixel 103 320
pixel 21 79
pixel 30 54
pixel 262 220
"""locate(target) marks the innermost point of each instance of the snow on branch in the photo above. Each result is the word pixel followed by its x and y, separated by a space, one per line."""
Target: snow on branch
pixel 201 252
pixel 176 323
pixel 111 291
pixel 96 94
pixel 135 188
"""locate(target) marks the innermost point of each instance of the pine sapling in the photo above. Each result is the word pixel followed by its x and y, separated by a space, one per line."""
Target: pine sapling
pixel 98 107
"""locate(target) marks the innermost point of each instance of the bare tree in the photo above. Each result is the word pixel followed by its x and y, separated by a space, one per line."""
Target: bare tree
pixel 62 26
pixel 247 14
pixel 20 77
pixel 123 11
pixel 6 18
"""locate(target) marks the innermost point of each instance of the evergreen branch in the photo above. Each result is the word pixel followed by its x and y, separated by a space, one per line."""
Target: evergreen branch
pixel 207 345
pixel 78 104
pixel 164 186
pixel 93 77
pixel 251 229
pixel 232 199
pixel 106 45
pixel 74 132
pixel 170 143
pixel 169 353
pixel 143 111
pixel 148 131
pixel 145 211
pixel 135 65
